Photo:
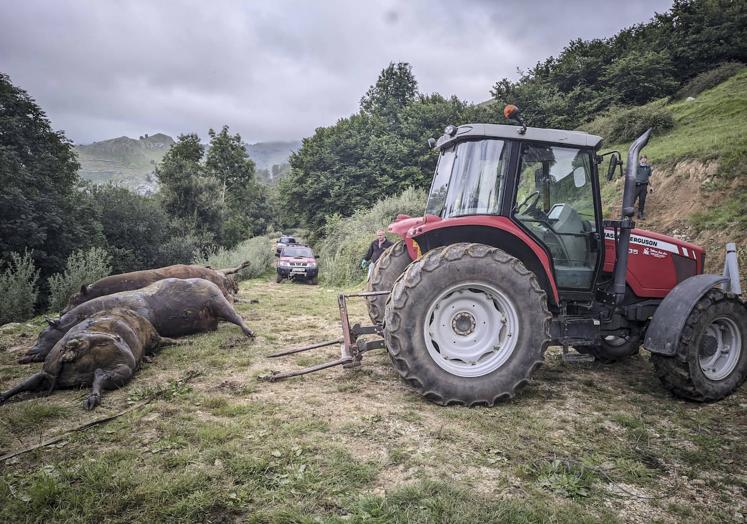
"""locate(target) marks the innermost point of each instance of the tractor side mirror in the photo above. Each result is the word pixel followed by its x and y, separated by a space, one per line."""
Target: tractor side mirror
pixel 277 254
pixel 579 177
pixel 431 143
pixel 614 163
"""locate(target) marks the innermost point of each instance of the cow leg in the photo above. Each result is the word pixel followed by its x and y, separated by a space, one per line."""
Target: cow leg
pixel 222 309
pixel 165 341
pixel 33 383
pixel 115 378
pixel 33 355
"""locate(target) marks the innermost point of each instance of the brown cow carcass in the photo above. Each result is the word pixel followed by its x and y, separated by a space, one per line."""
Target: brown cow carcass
pixel 139 279
pixel 102 351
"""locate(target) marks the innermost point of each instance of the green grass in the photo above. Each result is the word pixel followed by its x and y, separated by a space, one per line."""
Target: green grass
pixel 361 446
pixel 711 126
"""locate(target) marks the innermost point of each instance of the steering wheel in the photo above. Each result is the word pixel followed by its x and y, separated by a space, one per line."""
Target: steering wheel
pixel 534 198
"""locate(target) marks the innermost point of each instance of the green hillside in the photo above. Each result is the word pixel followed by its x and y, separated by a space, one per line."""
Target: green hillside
pixel 268 154
pixel 131 162
pixel 124 161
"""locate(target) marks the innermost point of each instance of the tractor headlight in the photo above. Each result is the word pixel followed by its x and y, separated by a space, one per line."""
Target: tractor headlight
pixel 283 263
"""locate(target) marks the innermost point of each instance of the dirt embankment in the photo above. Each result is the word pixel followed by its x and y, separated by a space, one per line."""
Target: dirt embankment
pixel 679 193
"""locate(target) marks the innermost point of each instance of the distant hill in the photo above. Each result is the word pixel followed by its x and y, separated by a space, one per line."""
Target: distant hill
pixel 124 161
pixel 131 162
pixel 268 154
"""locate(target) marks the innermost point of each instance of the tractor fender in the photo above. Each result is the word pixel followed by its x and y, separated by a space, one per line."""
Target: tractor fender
pixel 663 334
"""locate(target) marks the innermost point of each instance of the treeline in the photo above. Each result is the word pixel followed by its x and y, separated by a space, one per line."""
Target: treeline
pixel 53 225
pixel 637 65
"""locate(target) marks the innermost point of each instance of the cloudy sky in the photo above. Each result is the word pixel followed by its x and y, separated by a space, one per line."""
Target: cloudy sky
pixel 273 69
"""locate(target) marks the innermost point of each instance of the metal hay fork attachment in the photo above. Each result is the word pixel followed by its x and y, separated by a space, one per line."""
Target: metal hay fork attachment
pixel 351 349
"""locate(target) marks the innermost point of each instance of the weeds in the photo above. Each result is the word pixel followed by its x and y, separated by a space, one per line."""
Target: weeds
pixel 82 267
pixel 626 124
pixel 259 251
pixel 563 477
pixel 18 288
pixel 709 79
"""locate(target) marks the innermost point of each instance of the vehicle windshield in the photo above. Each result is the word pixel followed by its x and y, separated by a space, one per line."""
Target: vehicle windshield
pixel 287 240
pixel 298 251
pixel 468 179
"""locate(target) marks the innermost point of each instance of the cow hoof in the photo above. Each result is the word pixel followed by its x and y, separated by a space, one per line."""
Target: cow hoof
pixel 2 400
pixel 91 402
pixel 249 333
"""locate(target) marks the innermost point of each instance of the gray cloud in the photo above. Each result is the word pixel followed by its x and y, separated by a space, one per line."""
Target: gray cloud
pixel 272 70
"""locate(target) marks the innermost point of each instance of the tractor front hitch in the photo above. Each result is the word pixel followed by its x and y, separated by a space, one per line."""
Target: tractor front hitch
pixel 351 346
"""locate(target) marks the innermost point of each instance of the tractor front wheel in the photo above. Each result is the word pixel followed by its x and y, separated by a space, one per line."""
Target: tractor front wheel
pixel 467 324
pixel 388 268
pixel 711 360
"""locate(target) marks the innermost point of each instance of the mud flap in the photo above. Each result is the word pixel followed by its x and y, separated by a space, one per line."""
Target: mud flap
pixel 663 335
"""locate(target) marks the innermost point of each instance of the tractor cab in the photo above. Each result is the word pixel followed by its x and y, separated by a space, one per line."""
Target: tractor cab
pixel 543 181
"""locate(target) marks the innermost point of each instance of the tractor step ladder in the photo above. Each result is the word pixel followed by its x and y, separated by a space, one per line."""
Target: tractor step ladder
pixel 351 346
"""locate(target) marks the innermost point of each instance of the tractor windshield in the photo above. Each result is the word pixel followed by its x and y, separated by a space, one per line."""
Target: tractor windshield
pixel 468 179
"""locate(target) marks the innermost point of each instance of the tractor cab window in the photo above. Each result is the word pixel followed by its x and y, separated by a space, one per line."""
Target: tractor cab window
pixel 555 201
pixel 468 179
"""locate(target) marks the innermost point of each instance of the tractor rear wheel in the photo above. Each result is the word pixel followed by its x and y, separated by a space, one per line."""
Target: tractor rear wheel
pixel 467 324
pixel 711 360
pixel 613 348
pixel 390 265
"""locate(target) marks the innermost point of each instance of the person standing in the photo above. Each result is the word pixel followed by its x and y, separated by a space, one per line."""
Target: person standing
pixel 375 250
pixel 642 176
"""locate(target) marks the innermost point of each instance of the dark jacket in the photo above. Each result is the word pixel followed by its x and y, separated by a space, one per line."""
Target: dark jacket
pixel 642 174
pixel 375 251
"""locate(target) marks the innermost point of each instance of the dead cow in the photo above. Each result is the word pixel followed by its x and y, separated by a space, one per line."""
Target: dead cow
pixel 103 351
pixel 174 306
pixel 139 279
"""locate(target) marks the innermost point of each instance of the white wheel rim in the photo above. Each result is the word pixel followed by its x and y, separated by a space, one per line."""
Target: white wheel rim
pixel 471 329
pixel 718 361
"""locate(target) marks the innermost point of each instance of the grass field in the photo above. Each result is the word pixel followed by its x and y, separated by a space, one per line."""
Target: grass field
pixel 582 443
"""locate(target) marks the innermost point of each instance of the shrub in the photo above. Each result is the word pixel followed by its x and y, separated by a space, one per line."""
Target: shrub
pixel 18 288
pixel 708 79
pixel 620 125
pixel 83 267
pixel 259 251
pixel 347 239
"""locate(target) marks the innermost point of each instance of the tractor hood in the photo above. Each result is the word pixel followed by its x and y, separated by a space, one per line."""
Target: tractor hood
pixel 403 223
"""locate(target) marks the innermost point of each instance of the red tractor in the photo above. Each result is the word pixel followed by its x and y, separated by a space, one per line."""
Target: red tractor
pixel 512 255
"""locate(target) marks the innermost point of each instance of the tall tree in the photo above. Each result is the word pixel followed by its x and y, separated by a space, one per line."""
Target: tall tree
pixel 188 194
pixel 395 88
pixel 365 157
pixel 246 209
pixel 41 207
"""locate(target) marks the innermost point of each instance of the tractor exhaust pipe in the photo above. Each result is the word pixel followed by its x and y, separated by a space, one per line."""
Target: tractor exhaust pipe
pixel 626 220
